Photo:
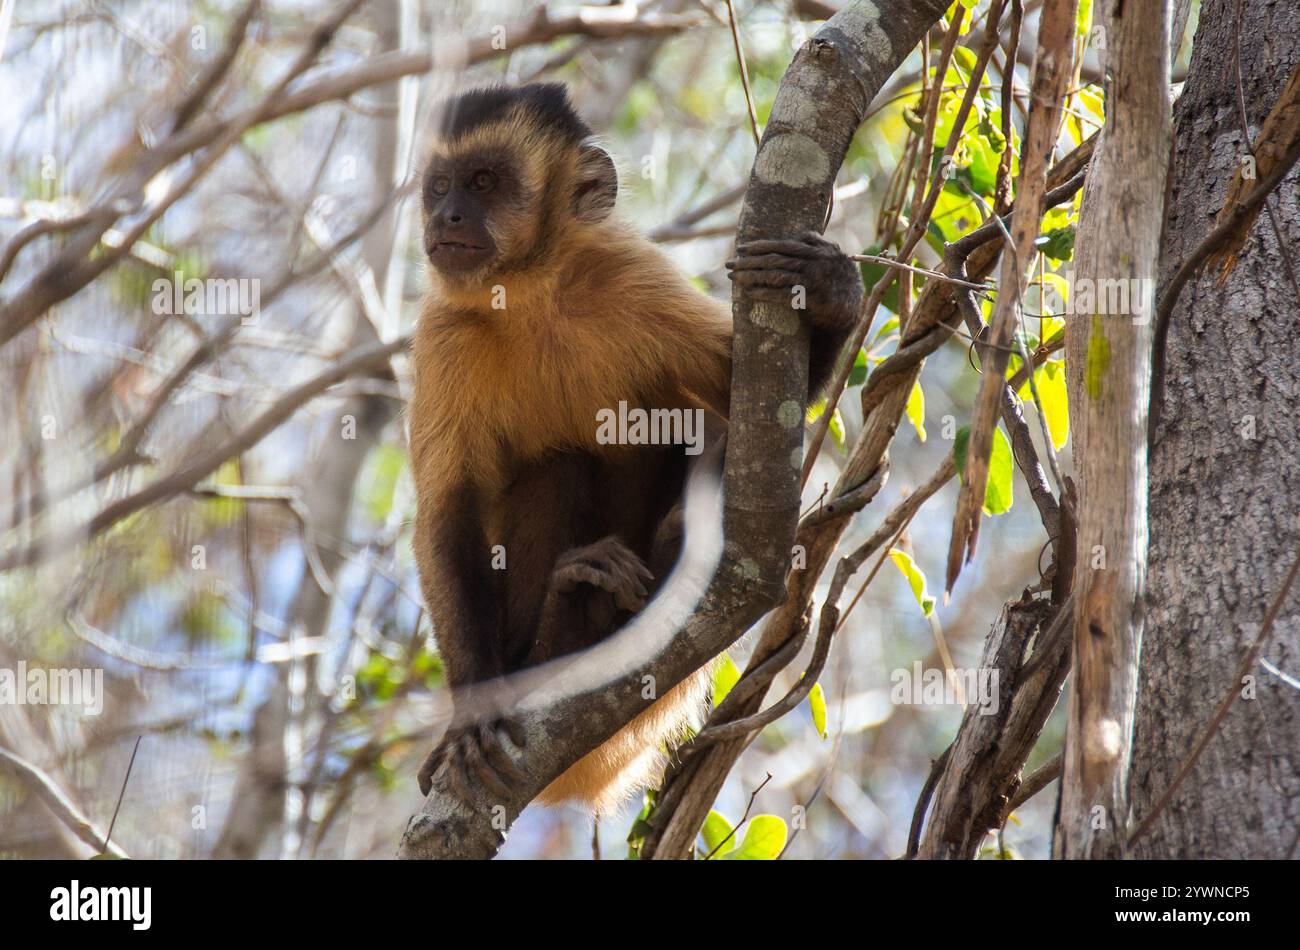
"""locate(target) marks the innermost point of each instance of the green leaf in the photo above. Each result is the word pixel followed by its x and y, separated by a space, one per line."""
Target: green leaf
pixel 725 675
pixel 889 326
pixel 817 706
pixel 858 375
pixel 997 497
pixel 1083 18
pixel 836 429
pixel 997 494
pixel 1049 380
pixel 1058 243
pixel 765 836
pixel 715 831
pixel 872 274
pixel 915 579
pixel 916 409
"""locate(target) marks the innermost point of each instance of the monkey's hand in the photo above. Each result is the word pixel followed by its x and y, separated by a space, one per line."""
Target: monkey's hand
pixel 471 752
pixel 807 272
pixel 608 565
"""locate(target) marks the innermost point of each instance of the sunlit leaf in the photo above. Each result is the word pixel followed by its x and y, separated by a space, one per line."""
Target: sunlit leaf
pixel 715 831
pixel 765 836
pixel 817 706
pixel 997 494
pixel 725 676
pixel 1049 380
pixel 915 578
pixel 916 409
pixel 997 497
pixel 836 429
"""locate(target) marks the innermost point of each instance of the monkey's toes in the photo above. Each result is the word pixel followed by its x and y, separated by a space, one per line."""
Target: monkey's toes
pixel 474 754
pixel 608 565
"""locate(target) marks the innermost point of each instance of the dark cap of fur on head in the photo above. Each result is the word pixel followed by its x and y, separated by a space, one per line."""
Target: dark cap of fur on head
pixel 545 103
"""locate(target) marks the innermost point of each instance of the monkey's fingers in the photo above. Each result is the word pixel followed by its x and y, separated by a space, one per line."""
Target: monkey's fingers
pixel 742 263
pixel 615 578
pixel 631 599
pixel 433 763
pixel 772 295
pixel 427 770
pixel 453 773
pixel 572 576
pixel 810 244
pixel 768 278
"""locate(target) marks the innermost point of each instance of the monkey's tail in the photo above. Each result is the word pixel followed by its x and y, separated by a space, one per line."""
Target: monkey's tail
pixel 635 756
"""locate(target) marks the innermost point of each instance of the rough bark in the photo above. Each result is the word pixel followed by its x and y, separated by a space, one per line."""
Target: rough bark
pixel 1225 478
pixel 980 772
pixel 1110 352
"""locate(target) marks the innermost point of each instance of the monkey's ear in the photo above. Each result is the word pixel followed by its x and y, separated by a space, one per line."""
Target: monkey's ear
pixel 597 187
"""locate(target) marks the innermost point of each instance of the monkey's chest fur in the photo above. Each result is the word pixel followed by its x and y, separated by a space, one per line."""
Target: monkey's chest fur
pixel 507 412
pixel 495 393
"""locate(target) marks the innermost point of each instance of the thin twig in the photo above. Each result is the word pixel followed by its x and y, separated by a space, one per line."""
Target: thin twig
pixel 744 71
pixel 121 794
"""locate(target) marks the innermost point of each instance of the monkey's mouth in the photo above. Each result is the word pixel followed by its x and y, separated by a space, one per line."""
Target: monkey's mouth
pixel 457 256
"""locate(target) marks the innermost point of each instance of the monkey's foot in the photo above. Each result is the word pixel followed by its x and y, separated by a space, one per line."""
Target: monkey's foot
pixel 473 753
pixel 774 271
pixel 608 565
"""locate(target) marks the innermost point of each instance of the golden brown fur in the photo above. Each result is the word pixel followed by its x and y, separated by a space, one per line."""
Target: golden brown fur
pixel 593 315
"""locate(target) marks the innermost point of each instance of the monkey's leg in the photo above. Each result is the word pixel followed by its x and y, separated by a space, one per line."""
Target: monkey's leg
pixel 548 508
pixel 808 273
pixel 463 594
pixel 596 588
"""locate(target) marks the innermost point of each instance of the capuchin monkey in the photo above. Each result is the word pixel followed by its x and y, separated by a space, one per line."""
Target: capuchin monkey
pixel 544 310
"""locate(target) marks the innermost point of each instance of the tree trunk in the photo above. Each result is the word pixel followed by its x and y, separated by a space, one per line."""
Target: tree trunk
pixel 1225 477
pixel 1110 356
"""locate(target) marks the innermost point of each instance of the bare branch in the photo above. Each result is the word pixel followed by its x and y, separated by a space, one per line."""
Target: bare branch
pixel 43 787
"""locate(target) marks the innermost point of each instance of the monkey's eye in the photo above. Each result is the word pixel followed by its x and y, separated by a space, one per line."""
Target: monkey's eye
pixel 440 185
pixel 482 180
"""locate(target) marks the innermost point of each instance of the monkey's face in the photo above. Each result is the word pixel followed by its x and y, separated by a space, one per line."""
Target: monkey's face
pixel 510 175
pixel 464 197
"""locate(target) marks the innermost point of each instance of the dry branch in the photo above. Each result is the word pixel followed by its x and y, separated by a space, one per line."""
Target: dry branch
pixel 1109 356
pixel 1053 67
